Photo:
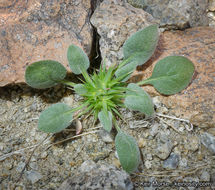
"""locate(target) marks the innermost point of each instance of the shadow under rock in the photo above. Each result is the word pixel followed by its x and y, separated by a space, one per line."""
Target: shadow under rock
pixel 14 92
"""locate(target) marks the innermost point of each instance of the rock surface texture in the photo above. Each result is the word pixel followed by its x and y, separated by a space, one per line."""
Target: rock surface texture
pixel 39 30
pixel 115 20
pixel 176 14
pixel 197 101
pixel 98 176
pixel 211 13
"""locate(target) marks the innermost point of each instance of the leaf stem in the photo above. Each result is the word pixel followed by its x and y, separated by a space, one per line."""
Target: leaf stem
pixel 69 83
pixel 124 62
pixel 143 82
pixel 116 125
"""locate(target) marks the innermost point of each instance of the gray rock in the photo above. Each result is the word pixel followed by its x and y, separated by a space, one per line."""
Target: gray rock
pixel 115 21
pixel 208 141
pixel 171 162
pixel 98 176
pixel 33 176
pixel 154 129
pixel 174 13
pixel 205 176
pixel 183 163
pixel 20 166
pixel 106 136
pixel 164 147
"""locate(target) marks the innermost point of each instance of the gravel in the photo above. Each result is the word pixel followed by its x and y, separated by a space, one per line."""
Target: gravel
pixel 168 154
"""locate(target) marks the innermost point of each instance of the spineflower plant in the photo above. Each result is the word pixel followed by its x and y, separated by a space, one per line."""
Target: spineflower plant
pixel 106 90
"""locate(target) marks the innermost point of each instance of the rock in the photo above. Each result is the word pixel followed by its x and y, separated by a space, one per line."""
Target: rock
pixel 105 136
pixel 211 13
pixel 37 30
pixel 196 102
pixel 208 141
pixel 33 176
pixel 115 20
pixel 154 129
pixel 192 143
pixel 171 162
pixel 164 147
pixel 211 6
pixel 205 176
pixel 174 13
pixel 148 164
pixel 98 176
pixel 183 163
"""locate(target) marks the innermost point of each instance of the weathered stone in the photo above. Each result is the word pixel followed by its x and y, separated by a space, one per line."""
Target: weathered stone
pixel 115 20
pixel 39 30
pixel 208 141
pixel 174 13
pixel 197 101
pixel 211 13
pixel 172 161
pixel 98 176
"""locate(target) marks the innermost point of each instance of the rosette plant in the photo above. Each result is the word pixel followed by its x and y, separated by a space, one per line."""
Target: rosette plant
pixel 106 90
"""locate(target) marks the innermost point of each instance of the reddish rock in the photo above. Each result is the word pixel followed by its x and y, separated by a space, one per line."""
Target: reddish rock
pixel 197 101
pixel 38 29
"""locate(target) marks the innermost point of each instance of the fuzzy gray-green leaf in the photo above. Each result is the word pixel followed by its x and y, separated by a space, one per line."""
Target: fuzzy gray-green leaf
pixel 138 100
pixel 141 45
pixel 44 74
pixel 55 118
pixel 80 89
pixel 128 152
pixel 78 60
pixel 171 74
pixel 106 120
pixel 126 69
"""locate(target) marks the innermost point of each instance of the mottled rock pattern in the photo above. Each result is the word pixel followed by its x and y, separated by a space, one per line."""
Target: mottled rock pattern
pixel 115 20
pixel 211 13
pixel 174 13
pixel 208 141
pixel 197 101
pixel 98 176
pixel 172 161
pixel 38 29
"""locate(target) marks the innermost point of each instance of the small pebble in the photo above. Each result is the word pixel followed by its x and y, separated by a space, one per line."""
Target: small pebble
pixel 208 141
pixel 183 163
pixel 192 143
pixel 154 129
pixel 33 176
pixel 105 136
pixel 148 164
pixel 172 162
pixel 44 155
pixel 205 176
pixel 20 166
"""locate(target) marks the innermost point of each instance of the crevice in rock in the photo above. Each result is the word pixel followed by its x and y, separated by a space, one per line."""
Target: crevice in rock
pixel 95 54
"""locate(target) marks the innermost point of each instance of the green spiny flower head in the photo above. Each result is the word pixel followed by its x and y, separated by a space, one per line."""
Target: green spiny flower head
pixel 102 92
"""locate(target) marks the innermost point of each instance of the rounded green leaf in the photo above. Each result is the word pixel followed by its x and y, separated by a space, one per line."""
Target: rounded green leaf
pixel 128 152
pixel 106 120
pixel 80 89
pixel 55 118
pixel 141 45
pixel 44 74
pixel 126 70
pixel 171 74
pixel 138 100
pixel 78 60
